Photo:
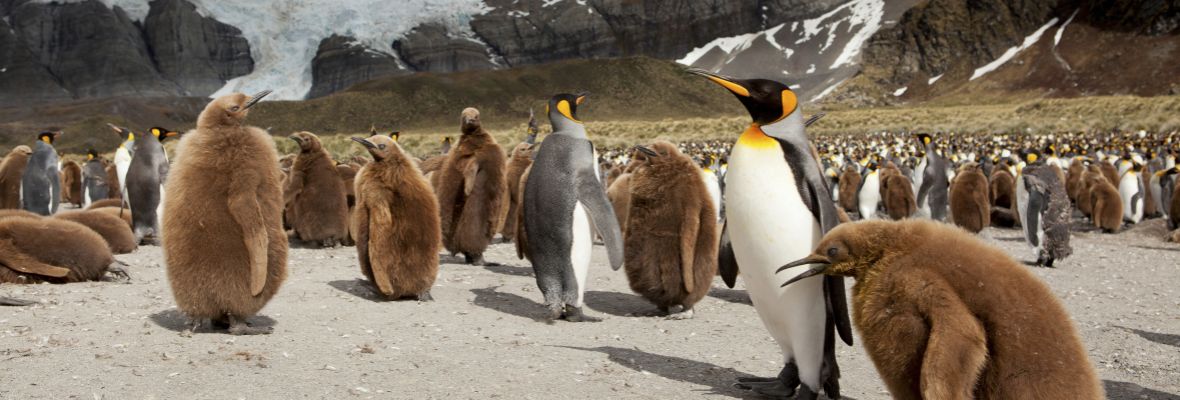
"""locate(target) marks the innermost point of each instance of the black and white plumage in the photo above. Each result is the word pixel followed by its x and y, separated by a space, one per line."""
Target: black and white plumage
pixel 1046 215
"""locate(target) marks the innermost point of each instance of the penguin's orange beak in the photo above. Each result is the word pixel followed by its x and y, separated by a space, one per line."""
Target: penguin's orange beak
pixel 724 81
pixel 819 265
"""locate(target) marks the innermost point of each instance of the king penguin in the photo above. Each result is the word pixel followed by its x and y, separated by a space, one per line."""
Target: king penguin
pixel 562 198
pixel 123 154
pixel 933 184
pixel 1131 192
pixel 869 196
pixel 94 179
pixel 778 206
pixel 41 183
pixel 145 184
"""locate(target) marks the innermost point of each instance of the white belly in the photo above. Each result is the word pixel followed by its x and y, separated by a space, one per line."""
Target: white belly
pixel 122 164
pixel 580 249
pixel 769 226
pixel 1128 188
pixel 714 190
pixel 869 196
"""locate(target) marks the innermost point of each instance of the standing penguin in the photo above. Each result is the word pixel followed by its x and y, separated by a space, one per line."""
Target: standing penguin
pixel 522 158
pixel 41 183
pixel 396 222
pixel 1106 205
pixel 224 244
pixel 943 315
pixel 123 153
pixel 933 187
pixel 145 184
pixel 849 186
pixel 970 202
pixel 1045 217
pixel 1132 194
pixel 777 208
pixel 94 179
pixel 316 194
pixel 11 171
pixel 869 195
pixel 670 200
pixel 562 198
pixel 71 183
pixel 471 190
pixel 898 194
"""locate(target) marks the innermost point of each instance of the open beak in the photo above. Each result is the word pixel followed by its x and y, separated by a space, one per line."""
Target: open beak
pixel 820 264
pixel 725 81
pixel 645 150
pixel 364 142
pixel 257 98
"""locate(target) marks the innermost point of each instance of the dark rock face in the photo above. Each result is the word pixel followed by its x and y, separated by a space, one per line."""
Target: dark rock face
pixel 94 51
pixel 431 47
pixel 22 79
pixel 340 62
pixel 199 54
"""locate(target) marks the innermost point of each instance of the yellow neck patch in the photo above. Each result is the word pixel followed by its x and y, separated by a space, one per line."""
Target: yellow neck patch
pixel 156 132
pixel 89 157
pixel 790 102
pixel 753 137
pixel 46 139
pixel 563 107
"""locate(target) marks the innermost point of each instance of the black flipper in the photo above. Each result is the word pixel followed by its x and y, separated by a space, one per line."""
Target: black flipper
pixel 1137 197
pixel 727 264
pixel 1037 202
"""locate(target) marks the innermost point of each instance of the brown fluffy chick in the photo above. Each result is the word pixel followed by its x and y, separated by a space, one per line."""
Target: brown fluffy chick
pixel 316 195
pixel 970 202
pixel 521 159
pixel 114 230
pixel 35 250
pixel 670 245
pixel 943 315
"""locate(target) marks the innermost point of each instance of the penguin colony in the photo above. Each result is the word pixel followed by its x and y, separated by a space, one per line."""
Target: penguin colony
pixel 555 196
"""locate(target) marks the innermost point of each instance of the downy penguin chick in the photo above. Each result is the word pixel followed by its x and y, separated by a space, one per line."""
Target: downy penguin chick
pixel 11 171
pixel 471 190
pixel 970 203
pixel 35 250
pixel 316 194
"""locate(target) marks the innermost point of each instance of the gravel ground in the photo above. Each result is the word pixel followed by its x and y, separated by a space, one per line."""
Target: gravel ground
pixel 484 335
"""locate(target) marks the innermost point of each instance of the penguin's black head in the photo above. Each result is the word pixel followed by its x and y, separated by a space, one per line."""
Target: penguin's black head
pixel 124 133
pixel 91 154
pixel 767 101
pixel 161 133
pixel 565 105
pixel 924 138
pixel 49 136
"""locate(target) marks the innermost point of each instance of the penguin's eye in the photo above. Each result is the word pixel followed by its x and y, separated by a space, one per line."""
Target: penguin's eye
pixel 381 146
pixel 234 109
pixel 833 252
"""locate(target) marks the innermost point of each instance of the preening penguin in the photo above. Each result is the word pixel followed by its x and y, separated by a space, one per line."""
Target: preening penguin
pixel 471 190
pixel 777 207
pixel 670 200
pixel 562 198
pixel 522 158
pixel 970 204
pixel 396 220
pixel 71 183
pixel 224 244
pixel 145 183
pixel 316 195
pixel 1046 215
pixel 34 250
pixel 11 171
pixel 114 231
pixel 41 183
pixel 962 324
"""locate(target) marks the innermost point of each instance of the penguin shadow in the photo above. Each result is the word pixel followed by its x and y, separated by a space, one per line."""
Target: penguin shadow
pixel 1128 390
pixel 731 295
pixel 620 304
pixel 449 259
pixel 1161 338
pixel 507 269
pixel 509 303
pixel 174 320
pixel 1161 248
pixel 719 380
pixel 359 288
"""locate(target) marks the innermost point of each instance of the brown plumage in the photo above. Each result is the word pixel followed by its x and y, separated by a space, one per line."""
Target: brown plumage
pixel 396 222
pixel 1106 205
pixel 1003 188
pixel 943 315
pixel 71 183
pixel 614 173
pixel 431 165
pixel 316 195
pixel 521 238
pixel 1150 206
pixel 348 174
pixel 1073 178
pixel 970 204
pixel 1174 210
pixel 17 213
pixel 121 213
pixel 521 160
pixel 619 194
pixel 224 244
pixel 897 193
pixel 34 250
pixel 1109 171
pixel 114 230
pixel 115 191
pixel 1085 203
pixel 670 248
pixel 106 203
pixel 471 190
pixel 849 187
pixel 11 170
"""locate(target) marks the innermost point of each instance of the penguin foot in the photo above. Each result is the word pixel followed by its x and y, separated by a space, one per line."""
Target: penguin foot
pixel 684 314
pixel 575 314
pixel 191 326
pixel 116 270
pixel 805 393
pixel 11 302
pixel 239 327
pixel 425 296
pixel 330 243
pixel 775 389
pixel 474 259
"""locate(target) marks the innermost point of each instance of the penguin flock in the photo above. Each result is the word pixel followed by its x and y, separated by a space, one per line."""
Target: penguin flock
pixel 792 215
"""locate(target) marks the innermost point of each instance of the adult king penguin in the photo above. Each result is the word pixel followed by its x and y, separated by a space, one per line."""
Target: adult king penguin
pixel 561 187
pixel 145 184
pixel 933 183
pixel 41 184
pixel 774 189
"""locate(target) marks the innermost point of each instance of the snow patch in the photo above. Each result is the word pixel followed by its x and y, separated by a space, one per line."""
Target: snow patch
pixel 1061 30
pixel 827 91
pixel 901 91
pixel 867 14
pixel 731 44
pixel 1012 52
pixel 934 79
